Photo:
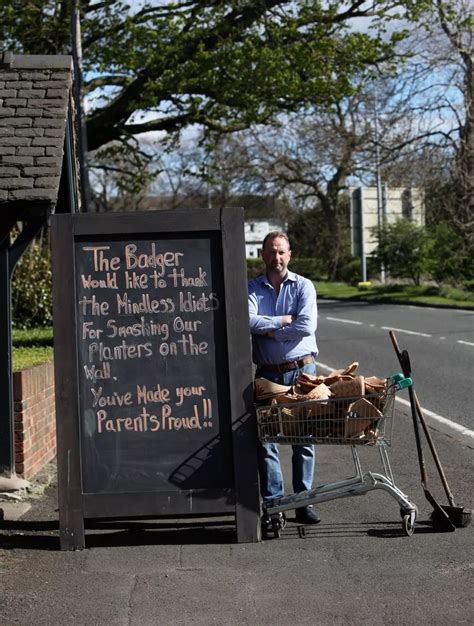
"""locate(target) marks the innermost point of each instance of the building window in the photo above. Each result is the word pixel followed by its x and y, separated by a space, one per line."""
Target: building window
pixel 407 204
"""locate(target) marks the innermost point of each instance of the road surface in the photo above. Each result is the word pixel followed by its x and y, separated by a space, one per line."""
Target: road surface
pixel 440 343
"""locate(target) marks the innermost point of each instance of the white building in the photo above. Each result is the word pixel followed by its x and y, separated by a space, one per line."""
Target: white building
pixel 255 231
pixel 395 203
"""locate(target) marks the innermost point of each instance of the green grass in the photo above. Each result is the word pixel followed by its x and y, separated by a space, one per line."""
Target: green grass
pixel 427 295
pixel 24 358
pixel 33 337
pixel 31 347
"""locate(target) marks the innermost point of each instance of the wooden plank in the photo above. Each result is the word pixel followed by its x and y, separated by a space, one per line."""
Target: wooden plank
pixel 196 503
pixel 147 222
pixel 7 427
pixel 244 432
pixel 71 521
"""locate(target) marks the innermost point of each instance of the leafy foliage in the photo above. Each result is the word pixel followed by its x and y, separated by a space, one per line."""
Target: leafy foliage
pixel 314 236
pixel 402 250
pixel 163 66
pixel 440 253
pixel 31 288
pixel 450 258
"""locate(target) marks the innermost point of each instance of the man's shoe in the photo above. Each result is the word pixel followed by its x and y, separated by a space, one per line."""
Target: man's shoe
pixel 307 515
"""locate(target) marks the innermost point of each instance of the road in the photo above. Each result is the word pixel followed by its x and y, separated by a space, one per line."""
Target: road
pixel 355 567
pixel 440 343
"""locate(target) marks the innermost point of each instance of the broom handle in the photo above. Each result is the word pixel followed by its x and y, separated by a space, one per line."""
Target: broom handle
pixel 425 429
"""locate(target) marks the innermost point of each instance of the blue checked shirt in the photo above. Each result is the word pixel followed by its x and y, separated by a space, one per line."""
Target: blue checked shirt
pixel 297 297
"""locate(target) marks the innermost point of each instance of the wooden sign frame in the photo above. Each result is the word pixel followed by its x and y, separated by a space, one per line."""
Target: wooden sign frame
pixel 242 499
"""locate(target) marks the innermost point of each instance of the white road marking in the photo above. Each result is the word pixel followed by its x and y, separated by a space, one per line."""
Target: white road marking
pixel 442 310
pixel 323 366
pixel 444 424
pixel 465 343
pixel 426 308
pixel 408 332
pixel 339 319
pixel 461 430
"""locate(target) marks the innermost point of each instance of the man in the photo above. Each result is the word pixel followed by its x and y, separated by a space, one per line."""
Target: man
pixel 283 319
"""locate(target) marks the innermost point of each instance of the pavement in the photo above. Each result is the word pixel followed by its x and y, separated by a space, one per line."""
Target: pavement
pixel 355 567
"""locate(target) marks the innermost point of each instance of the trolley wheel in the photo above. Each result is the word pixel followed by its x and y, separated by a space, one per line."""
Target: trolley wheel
pixel 276 528
pixel 408 524
pixel 404 512
pixel 278 523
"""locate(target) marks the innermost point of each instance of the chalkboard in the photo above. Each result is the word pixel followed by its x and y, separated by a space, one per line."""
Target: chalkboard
pixel 152 355
pixel 155 381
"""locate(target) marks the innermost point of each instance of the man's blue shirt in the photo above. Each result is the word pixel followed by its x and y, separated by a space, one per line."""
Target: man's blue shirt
pixel 297 297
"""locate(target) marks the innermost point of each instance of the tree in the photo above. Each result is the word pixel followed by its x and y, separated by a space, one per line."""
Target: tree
pixel 146 177
pixel 120 178
pixel 308 158
pixel 430 143
pixel 448 259
pixel 163 66
pixel 457 24
pixel 402 249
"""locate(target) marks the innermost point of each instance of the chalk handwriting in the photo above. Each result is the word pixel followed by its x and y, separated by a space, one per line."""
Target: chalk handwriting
pixel 160 261
pixel 145 421
pixel 101 352
pixel 153 312
pixel 101 262
pixel 109 282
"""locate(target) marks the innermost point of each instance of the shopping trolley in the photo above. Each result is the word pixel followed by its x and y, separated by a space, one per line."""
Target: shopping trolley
pixel 352 421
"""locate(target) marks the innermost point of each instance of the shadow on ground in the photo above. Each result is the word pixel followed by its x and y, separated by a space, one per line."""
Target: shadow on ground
pixel 44 535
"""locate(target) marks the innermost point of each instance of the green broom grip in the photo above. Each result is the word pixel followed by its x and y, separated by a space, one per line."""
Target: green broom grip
pixel 401 381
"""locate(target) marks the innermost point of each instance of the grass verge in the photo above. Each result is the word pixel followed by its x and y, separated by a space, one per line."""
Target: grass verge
pixel 398 294
pixel 24 358
pixel 31 347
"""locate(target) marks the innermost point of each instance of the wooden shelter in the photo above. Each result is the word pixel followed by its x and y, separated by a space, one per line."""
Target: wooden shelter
pixel 37 178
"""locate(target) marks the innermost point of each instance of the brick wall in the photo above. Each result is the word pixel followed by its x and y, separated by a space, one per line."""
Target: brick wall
pixel 35 419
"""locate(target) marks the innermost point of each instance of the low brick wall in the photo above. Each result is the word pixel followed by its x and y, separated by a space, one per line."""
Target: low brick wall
pixel 35 419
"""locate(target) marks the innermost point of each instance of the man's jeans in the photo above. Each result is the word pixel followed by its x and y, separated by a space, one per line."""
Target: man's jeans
pixel 303 459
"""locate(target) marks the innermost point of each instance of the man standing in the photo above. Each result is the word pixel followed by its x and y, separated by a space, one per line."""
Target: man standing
pixel 283 320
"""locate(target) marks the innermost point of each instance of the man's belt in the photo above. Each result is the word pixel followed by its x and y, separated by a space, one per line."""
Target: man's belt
pixel 288 366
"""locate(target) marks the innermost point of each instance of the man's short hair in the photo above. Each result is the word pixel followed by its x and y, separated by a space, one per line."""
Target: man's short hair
pixel 275 234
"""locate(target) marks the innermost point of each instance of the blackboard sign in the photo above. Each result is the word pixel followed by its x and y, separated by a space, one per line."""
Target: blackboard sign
pixel 157 413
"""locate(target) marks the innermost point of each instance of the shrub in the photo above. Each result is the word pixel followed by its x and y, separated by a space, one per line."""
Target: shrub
pixel 31 288
pixel 350 272
pixel 449 258
pixel 402 249
pixel 255 267
pixel 309 267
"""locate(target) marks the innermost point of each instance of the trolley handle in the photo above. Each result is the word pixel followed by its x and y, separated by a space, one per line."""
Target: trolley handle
pixel 401 381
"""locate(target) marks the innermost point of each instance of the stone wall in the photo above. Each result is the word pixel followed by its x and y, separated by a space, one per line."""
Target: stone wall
pixel 34 99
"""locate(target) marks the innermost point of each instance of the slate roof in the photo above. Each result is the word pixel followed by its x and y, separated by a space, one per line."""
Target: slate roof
pixel 34 100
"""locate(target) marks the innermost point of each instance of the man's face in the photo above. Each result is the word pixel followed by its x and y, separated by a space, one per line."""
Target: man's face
pixel 276 256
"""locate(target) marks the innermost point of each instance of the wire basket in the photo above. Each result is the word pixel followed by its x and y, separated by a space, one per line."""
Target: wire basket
pixel 355 420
